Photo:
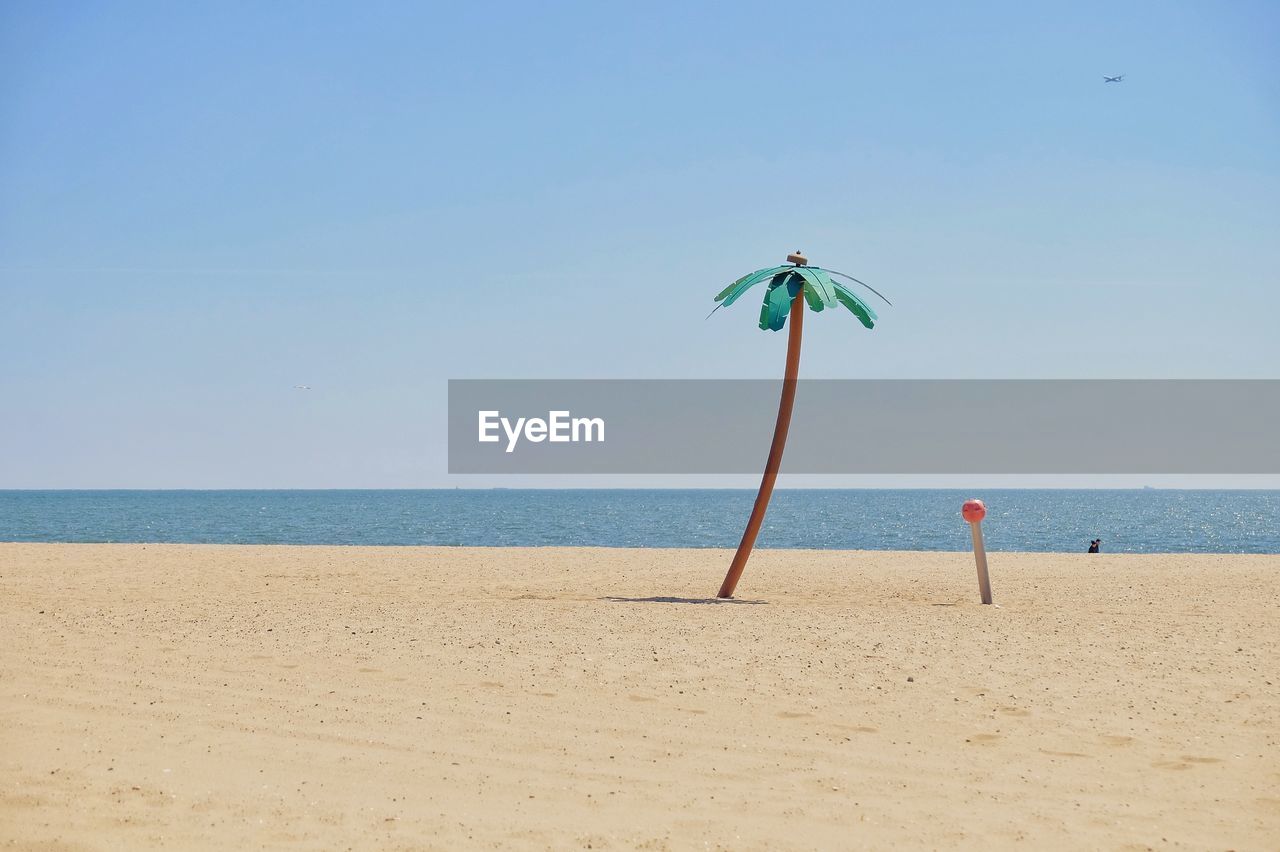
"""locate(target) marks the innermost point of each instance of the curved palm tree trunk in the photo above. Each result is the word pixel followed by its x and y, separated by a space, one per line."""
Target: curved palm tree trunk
pixel 775 450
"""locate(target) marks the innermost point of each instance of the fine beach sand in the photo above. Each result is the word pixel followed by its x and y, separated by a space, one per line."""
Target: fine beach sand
pixel 188 697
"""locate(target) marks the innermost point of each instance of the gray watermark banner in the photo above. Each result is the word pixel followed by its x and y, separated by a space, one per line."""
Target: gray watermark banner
pixel 672 426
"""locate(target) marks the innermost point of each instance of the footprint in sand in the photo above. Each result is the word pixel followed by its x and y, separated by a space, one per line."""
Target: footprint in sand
pixel 1201 759
pixel 1268 803
pixel 1116 739
pixel 1062 753
pixel 641 698
pixel 369 671
pixel 1014 711
pixel 984 738
pixel 787 714
pixel 1170 764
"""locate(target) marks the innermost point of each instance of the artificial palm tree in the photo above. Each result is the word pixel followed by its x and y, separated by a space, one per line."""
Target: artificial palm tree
pixel 790 287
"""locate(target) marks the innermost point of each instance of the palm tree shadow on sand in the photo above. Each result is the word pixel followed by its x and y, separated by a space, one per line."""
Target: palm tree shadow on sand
pixel 671 600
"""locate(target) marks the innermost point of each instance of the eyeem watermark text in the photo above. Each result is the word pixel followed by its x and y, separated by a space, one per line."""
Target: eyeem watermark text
pixel 560 427
pixel 686 426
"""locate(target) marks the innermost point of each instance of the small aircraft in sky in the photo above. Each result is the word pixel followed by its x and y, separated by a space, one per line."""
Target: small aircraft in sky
pixel 1119 78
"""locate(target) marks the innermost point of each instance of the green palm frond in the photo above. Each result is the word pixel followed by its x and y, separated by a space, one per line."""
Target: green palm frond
pixel 777 300
pixel 731 293
pixel 820 292
pixel 859 308
pixel 863 283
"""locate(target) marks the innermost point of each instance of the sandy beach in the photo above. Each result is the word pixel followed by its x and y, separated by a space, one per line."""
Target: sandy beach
pixel 191 697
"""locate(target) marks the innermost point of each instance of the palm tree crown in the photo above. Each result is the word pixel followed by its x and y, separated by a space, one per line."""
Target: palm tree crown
pixel 820 291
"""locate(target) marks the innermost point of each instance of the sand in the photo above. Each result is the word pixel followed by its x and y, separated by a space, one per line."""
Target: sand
pixel 189 697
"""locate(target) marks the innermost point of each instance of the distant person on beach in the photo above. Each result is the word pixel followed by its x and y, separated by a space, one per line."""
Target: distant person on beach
pixel 1095 545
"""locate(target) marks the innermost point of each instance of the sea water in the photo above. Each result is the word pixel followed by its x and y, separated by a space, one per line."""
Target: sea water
pixel 1127 521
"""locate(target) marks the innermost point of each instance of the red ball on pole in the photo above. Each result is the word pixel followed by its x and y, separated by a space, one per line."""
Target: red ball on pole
pixel 973 510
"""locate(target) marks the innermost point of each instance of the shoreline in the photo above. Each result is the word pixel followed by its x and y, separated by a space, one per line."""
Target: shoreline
pixel 608 548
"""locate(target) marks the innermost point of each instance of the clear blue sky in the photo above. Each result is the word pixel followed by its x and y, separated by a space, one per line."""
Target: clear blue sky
pixel 203 205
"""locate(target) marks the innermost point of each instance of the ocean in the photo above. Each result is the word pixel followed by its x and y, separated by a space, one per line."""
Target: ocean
pixel 1127 521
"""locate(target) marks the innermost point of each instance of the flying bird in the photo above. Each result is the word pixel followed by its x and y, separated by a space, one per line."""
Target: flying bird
pixel 302 387
pixel 1119 78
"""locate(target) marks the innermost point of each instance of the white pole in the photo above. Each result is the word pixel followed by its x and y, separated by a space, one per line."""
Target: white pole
pixel 980 556
pixel 974 511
